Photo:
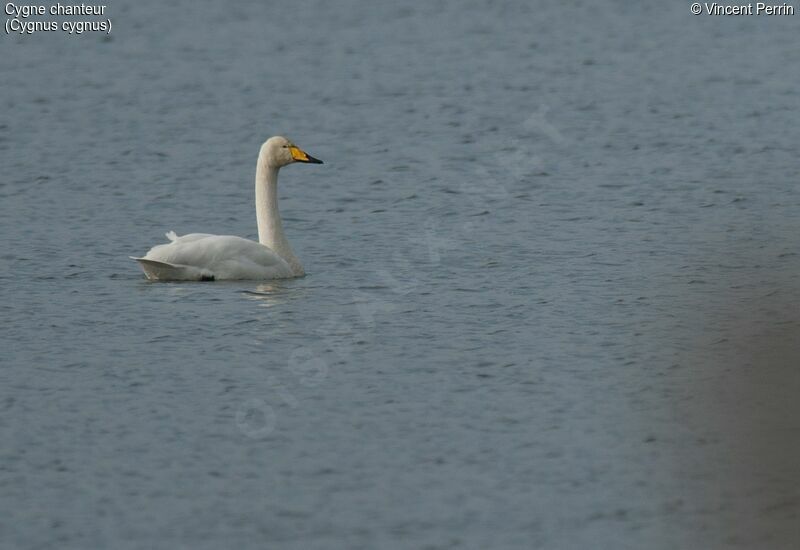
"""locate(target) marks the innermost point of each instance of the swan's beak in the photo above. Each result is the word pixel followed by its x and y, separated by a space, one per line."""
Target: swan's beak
pixel 301 156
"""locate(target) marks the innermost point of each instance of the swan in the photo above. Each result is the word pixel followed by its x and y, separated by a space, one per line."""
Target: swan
pixel 204 257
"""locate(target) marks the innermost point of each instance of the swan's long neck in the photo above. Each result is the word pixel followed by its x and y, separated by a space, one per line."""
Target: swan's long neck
pixel 270 229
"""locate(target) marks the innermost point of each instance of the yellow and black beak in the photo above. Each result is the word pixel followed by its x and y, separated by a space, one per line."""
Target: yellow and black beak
pixel 301 156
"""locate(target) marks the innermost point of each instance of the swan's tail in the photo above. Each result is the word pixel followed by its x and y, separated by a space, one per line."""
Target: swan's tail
pixel 163 271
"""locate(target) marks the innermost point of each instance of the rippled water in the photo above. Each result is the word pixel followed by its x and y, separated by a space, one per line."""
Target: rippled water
pixel 552 291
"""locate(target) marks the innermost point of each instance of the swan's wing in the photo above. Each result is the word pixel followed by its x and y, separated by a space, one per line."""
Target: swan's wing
pixel 170 272
pixel 221 256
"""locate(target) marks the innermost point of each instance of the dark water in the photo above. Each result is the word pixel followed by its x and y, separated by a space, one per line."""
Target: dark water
pixel 552 298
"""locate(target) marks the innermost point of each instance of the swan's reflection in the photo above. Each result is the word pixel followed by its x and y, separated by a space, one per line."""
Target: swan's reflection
pixel 270 294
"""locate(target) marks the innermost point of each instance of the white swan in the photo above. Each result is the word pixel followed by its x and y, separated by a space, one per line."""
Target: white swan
pixel 204 257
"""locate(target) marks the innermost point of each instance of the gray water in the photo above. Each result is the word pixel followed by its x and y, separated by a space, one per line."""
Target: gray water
pixel 552 279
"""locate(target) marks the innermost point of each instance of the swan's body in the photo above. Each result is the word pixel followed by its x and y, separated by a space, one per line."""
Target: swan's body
pixel 204 257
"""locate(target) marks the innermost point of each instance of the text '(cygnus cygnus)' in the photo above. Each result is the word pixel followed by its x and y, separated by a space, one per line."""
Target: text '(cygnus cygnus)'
pixel 204 257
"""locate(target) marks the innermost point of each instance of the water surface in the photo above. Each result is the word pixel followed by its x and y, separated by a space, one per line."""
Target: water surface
pixel 551 292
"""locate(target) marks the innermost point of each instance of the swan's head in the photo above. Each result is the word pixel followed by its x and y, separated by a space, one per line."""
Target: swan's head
pixel 279 151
